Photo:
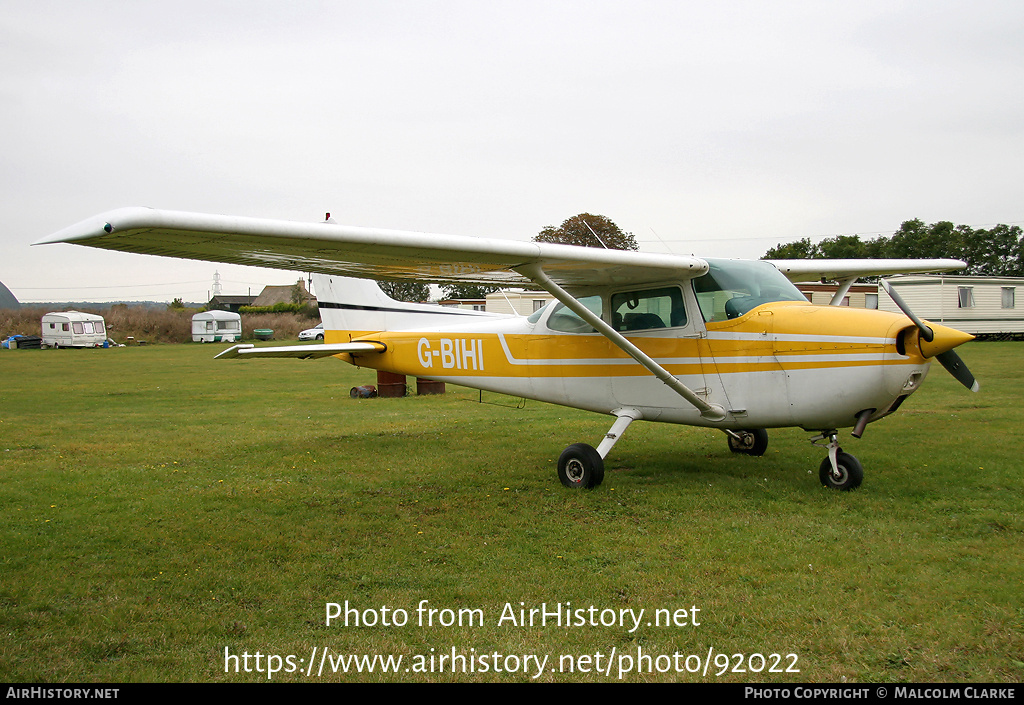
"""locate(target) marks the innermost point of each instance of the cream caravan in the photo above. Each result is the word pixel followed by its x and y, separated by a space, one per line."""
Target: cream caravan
pixel 73 329
pixel 216 327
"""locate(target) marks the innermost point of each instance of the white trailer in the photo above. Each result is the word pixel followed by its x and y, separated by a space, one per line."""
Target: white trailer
pixel 73 329
pixel 982 306
pixel 216 327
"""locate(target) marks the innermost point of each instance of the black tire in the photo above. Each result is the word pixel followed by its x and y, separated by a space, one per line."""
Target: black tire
pixel 755 442
pixel 319 336
pixel 580 467
pixel 851 474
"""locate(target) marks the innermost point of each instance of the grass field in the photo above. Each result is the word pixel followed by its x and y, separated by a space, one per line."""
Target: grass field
pixel 160 507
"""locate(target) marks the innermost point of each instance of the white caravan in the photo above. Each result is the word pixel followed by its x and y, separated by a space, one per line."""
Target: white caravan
pixel 73 329
pixel 216 327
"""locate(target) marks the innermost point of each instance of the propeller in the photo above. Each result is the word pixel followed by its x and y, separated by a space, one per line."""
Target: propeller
pixel 941 347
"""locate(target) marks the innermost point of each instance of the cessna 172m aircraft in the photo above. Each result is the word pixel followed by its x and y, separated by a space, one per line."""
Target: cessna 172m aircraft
pixel 727 344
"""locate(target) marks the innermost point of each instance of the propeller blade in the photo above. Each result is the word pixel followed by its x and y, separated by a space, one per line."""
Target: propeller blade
pixel 956 367
pixel 948 359
pixel 926 332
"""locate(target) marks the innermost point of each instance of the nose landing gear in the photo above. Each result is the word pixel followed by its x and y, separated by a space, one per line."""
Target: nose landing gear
pixel 839 471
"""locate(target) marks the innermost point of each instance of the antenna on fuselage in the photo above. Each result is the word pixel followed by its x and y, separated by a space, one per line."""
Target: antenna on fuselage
pixel 504 294
pixel 665 244
pixel 595 234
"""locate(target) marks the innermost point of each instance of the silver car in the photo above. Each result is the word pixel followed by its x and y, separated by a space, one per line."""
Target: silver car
pixel 316 333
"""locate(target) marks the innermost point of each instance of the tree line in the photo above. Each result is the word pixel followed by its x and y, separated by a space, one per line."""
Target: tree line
pixel 995 251
pixel 585 230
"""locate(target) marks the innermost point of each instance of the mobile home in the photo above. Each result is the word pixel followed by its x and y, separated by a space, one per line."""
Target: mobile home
pixel 517 301
pixel 981 306
pixel 73 329
pixel 216 327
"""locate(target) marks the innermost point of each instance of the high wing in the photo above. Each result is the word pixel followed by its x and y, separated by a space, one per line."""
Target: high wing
pixel 806 270
pixel 302 352
pixel 366 252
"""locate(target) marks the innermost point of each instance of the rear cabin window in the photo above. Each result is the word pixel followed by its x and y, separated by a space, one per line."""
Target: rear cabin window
pixel 647 310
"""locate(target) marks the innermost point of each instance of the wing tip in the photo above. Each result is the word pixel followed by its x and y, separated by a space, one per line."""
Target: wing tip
pixel 234 351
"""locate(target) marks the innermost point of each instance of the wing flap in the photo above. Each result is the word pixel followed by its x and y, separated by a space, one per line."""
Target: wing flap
pixel 302 352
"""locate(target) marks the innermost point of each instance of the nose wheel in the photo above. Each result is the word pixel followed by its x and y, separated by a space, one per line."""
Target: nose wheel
pixel 838 471
pixel 847 475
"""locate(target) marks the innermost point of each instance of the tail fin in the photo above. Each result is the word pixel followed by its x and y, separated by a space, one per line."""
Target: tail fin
pixel 359 307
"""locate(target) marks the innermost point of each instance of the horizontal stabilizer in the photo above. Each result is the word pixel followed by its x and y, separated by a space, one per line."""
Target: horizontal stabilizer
pixel 303 352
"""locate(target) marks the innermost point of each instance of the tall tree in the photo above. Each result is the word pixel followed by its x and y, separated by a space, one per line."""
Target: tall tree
pixel 842 247
pixel 798 249
pixel 467 291
pixel 580 230
pixel 406 290
pixel 915 239
pixel 998 251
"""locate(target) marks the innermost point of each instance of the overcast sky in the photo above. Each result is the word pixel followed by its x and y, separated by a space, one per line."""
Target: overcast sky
pixel 717 128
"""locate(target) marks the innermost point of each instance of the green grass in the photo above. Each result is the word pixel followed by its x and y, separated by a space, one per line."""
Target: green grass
pixel 159 506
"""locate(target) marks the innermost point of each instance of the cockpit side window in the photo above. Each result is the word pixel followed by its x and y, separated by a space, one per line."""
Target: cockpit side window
pixel 648 309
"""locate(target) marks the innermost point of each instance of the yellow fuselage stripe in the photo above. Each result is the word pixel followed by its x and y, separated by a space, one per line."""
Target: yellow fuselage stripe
pixel 784 337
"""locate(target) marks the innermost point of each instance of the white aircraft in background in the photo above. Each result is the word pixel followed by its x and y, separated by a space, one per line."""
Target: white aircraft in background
pixel 722 343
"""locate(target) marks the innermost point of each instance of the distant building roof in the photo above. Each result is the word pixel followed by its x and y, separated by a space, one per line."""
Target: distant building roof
pixel 231 303
pixel 7 299
pixel 284 295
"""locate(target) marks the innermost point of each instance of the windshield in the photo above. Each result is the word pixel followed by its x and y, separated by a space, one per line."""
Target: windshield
pixel 733 287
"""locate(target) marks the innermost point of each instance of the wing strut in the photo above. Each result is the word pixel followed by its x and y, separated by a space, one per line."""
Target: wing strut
pixel 712 412
pixel 842 291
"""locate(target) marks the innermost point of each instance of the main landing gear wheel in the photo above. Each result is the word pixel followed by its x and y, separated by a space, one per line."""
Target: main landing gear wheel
pixel 850 473
pixel 581 467
pixel 752 441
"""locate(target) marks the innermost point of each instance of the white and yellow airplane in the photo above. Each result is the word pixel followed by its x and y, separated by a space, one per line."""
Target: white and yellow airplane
pixel 727 344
